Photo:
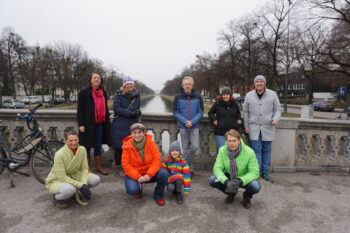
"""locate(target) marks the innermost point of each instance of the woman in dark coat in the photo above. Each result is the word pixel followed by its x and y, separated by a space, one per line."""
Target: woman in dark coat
pixel 126 109
pixel 93 120
pixel 224 115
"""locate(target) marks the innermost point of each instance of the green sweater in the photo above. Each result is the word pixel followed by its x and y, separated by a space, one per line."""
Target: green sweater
pixel 68 168
pixel 247 165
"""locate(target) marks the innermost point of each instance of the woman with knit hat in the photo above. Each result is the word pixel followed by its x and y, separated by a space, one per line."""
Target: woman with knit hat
pixel 224 115
pixel 141 162
pixel 126 109
pixel 180 173
pixel 93 120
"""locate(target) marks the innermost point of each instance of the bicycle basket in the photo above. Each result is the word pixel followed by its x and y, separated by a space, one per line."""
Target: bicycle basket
pixel 28 143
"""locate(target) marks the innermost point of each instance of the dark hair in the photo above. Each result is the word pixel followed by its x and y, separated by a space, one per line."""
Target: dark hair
pixel 70 132
pixel 101 85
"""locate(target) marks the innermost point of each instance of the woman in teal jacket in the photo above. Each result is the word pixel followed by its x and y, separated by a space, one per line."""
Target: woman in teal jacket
pixel 236 166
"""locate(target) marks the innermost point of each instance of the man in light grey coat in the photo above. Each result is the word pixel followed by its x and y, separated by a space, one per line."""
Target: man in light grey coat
pixel 262 111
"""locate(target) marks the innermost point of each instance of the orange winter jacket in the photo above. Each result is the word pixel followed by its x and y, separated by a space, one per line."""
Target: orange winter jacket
pixel 132 162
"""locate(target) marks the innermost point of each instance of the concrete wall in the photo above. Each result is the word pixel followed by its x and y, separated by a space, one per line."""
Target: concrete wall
pixel 300 144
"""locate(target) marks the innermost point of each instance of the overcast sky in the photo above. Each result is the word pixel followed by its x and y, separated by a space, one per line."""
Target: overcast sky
pixel 149 40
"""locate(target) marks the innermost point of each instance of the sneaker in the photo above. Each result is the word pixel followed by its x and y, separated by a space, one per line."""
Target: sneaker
pixel 60 204
pixel 160 202
pixel 138 196
pixel 266 176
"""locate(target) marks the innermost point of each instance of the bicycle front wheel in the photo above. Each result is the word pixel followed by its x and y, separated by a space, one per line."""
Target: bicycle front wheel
pixel 2 158
pixel 41 161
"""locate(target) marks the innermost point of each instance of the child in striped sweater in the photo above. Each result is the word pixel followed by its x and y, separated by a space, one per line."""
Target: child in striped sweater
pixel 180 174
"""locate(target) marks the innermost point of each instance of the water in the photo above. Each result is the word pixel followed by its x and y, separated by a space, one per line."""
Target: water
pixel 156 104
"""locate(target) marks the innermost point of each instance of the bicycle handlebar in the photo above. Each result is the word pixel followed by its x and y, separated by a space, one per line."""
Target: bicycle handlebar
pixel 35 108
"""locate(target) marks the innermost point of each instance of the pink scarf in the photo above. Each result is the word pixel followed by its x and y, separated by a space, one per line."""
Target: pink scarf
pixel 100 107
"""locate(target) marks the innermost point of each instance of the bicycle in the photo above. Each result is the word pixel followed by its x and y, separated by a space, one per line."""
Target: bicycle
pixel 34 149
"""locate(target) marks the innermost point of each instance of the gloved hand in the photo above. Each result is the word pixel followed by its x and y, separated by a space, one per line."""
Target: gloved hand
pixel 85 192
pixel 138 112
pixel 232 185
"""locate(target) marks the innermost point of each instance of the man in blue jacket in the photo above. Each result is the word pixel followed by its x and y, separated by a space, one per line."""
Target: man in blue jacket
pixel 188 111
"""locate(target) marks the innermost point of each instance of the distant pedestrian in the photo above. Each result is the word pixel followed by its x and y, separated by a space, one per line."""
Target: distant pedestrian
pixel 180 174
pixel 236 167
pixel 188 111
pixel 225 115
pixel 126 109
pixel 262 111
pixel 93 120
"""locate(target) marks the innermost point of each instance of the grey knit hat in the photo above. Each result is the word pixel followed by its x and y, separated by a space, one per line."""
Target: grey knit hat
pixel 260 77
pixel 138 126
pixel 226 90
pixel 175 145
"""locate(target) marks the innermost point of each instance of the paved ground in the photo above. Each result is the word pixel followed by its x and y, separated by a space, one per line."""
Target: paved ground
pixel 295 202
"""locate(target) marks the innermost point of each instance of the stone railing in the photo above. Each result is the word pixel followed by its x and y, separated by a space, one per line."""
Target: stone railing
pixel 299 145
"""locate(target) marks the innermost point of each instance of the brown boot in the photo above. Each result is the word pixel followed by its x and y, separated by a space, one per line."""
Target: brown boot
pixel 60 204
pixel 99 168
pixel 246 203
pixel 230 198
pixel 89 163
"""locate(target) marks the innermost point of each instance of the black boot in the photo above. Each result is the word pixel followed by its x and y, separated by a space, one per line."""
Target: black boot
pixel 179 198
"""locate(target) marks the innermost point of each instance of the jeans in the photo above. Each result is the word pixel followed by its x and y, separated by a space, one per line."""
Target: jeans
pixel 220 141
pixel 98 141
pixel 133 187
pixel 189 143
pixel 262 151
pixel 250 189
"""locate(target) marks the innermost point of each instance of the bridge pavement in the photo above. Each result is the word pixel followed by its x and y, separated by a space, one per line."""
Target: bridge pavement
pixel 294 202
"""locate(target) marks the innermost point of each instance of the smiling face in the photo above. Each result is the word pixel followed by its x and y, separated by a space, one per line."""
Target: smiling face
pixel 259 86
pixel 226 97
pixel 95 80
pixel 187 85
pixel 137 135
pixel 174 154
pixel 232 142
pixel 129 87
pixel 72 141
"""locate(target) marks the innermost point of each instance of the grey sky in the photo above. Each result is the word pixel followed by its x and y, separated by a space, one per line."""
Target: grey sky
pixel 150 40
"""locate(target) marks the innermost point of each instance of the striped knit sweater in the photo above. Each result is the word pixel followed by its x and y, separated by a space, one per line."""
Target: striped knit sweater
pixel 179 169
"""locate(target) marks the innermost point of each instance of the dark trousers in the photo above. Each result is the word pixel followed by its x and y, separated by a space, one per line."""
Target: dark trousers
pixel 118 156
pixel 250 189
pixel 98 142
pixel 133 187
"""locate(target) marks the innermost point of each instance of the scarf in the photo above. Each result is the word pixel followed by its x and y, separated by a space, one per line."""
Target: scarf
pixel 100 106
pixel 140 147
pixel 233 155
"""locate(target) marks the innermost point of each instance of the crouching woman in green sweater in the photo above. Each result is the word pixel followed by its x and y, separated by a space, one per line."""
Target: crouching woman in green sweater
pixel 69 174
pixel 236 167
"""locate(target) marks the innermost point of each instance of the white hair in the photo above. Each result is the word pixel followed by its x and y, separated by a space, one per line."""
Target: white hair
pixel 188 78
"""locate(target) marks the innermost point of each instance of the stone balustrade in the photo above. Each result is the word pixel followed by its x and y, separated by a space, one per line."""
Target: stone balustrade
pixel 300 144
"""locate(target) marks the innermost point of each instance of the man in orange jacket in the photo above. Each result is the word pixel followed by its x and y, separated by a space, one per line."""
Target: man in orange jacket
pixel 141 162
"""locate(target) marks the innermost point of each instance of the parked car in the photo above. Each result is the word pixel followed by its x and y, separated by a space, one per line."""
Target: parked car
pixel 74 98
pixel 59 100
pixel 30 99
pixel 323 106
pixel 12 103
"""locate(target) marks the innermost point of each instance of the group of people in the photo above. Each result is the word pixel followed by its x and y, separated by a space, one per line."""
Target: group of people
pixel 137 157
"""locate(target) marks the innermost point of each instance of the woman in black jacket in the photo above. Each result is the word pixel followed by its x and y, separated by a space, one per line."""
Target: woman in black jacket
pixel 93 120
pixel 224 115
